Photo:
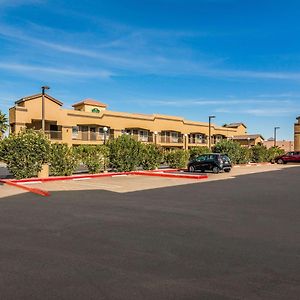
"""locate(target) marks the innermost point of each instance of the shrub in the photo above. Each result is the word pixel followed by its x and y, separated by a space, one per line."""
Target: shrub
pixel 196 151
pixel 273 152
pixel 63 160
pixel 244 155
pixel 231 148
pixel 125 153
pixel 177 158
pixel 259 153
pixel 25 153
pixel 152 156
pixel 95 158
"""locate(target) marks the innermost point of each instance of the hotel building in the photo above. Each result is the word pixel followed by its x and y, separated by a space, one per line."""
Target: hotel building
pixel 90 122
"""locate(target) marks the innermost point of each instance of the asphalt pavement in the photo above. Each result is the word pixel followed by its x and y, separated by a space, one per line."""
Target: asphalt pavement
pixel 227 239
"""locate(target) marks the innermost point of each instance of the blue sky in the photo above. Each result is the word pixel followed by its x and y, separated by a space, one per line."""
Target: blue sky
pixel 238 60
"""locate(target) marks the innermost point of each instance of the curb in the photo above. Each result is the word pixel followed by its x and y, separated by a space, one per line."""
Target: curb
pixel 26 188
pixel 157 173
pixel 252 165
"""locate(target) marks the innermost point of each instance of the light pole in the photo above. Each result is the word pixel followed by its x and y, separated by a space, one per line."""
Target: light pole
pixel 248 139
pixel 275 133
pixel 43 106
pixel 105 129
pixel 209 131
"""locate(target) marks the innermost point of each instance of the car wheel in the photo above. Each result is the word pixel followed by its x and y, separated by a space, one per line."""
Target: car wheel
pixel 280 161
pixel 191 169
pixel 227 170
pixel 216 170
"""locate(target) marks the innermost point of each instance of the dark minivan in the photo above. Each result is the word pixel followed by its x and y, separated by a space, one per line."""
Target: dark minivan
pixel 214 162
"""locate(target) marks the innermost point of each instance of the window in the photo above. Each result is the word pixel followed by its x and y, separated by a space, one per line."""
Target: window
pixel 75 130
pixel 201 158
pixel 143 135
pixel 174 137
pixel 198 138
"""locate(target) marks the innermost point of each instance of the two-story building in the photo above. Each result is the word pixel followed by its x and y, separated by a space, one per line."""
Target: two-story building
pixel 90 122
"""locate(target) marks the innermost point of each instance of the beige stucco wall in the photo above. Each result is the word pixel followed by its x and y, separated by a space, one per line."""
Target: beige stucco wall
pixel 31 110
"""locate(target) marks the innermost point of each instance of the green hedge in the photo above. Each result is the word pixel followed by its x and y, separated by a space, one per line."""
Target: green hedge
pixel 125 153
pixel 25 153
pixel 94 157
pixel 63 160
pixel 242 155
pixel 196 151
pixel 177 158
pixel 152 156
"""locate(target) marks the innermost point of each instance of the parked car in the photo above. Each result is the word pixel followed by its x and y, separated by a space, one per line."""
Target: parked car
pixel 292 156
pixel 214 162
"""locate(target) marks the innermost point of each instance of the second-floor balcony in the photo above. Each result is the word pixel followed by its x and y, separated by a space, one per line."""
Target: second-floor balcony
pixel 171 137
pixel 90 136
pixel 53 135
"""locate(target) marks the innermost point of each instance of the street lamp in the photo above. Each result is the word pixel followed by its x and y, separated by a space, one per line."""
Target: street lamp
pixel 105 130
pixel 209 131
pixel 248 139
pixel 43 106
pixel 275 132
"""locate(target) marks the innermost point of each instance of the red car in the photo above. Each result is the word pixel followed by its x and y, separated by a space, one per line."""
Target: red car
pixel 293 156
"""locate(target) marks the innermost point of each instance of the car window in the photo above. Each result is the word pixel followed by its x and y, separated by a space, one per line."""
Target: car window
pixel 201 158
pixel 225 158
pixel 211 156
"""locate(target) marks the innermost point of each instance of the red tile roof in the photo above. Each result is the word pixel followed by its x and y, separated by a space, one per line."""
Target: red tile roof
pixel 90 102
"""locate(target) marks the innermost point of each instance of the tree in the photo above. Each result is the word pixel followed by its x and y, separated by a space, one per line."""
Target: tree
pixel 231 148
pixel 3 124
pixel 125 153
pixel 25 153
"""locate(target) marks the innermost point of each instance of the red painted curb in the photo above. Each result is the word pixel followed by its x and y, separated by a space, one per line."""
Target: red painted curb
pixel 157 173
pixel 186 176
pixel 27 188
pixel 57 178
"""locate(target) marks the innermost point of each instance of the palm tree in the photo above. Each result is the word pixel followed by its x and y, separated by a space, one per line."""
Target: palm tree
pixel 3 124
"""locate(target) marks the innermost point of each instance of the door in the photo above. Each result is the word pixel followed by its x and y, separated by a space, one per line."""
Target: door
pixel 93 134
pixel 200 162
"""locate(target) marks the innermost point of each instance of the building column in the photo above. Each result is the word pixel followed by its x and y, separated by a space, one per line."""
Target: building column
pixel 185 144
pixel 66 132
pixel 297 136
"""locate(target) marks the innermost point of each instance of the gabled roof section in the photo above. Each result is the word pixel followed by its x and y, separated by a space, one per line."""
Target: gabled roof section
pixel 38 96
pixel 90 102
pixel 246 136
pixel 235 125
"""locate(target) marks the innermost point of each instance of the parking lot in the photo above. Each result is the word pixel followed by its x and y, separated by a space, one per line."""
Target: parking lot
pixel 231 236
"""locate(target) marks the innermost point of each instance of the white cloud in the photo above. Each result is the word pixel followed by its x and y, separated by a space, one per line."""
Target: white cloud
pixel 56 71
pixel 141 51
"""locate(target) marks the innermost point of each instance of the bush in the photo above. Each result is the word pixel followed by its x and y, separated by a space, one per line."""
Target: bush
pixel 125 153
pixel 273 152
pixel 231 148
pixel 95 158
pixel 196 151
pixel 25 153
pixel 259 153
pixel 177 158
pixel 152 156
pixel 244 155
pixel 63 160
